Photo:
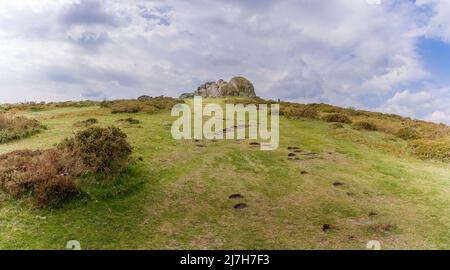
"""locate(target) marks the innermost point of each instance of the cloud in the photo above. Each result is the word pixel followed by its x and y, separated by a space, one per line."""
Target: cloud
pixel 438 25
pixel 429 104
pixel 87 12
pixel 161 15
pixel 343 52
pixel 90 40
pixel 93 94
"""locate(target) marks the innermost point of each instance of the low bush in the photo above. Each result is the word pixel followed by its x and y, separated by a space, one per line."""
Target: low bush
pixel 407 133
pixel 364 125
pixel 337 118
pixel 147 104
pixel 86 123
pixel 17 127
pixel 430 149
pixel 247 101
pixel 55 190
pixel 39 173
pixel 299 111
pixel 130 121
pixel 48 176
pixel 104 150
pixel 42 106
pixel 129 108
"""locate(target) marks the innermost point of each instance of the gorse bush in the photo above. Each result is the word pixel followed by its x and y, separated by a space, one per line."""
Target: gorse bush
pixel 431 149
pixel 407 133
pixel 364 125
pixel 86 123
pixel 48 176
pixel 17 127
pixel 104 150
pixel 337 118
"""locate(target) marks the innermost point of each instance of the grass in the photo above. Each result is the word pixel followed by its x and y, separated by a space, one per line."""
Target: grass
pixel 176 195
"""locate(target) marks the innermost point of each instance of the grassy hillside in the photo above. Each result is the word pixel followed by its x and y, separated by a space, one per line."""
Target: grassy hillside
pixel 346 187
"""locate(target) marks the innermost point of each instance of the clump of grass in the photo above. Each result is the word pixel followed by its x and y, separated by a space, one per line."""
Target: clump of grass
pixel 48 176
pixel 148 105
pixel 17 127
pixel 337 118
pixel 364 125
pixel 86 123
pixel 407 133
pixel 431 149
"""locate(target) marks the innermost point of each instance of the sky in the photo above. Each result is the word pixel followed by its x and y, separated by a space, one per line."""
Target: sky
pixel 383 55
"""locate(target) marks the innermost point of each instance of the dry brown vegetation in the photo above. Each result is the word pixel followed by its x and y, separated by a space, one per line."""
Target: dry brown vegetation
pixel 43 106
pixel 337 118
pixel 17 127
pixel 48 176
pixel 147 105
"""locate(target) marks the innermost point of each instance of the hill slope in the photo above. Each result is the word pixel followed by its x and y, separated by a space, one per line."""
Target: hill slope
pixel 176 195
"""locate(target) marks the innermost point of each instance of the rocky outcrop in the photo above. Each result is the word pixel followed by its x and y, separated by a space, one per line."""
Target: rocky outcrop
pixel 237 86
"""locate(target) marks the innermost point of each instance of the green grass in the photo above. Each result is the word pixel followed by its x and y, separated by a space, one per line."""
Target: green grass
pixel 177 196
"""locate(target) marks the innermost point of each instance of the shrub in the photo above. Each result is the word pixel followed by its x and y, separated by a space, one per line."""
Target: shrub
pixel 39 173
pixel 296 112
pixel 104 150
pixel 146 104
pixel 248 100
pixel 130 121
pixel 431 149
pixel 366 125
pixel 55 190
pixel 41 106
pixel 337 118
pixel 407 133
pixel 48 175
pixel 125 108
pixel 87 122
pixel 17 127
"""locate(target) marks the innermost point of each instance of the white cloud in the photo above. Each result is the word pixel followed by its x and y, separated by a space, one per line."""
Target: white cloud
pixel 439 24
pixel 430 104
pixel 336 51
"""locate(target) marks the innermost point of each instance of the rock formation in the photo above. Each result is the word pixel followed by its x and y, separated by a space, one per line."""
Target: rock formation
pixel 238 86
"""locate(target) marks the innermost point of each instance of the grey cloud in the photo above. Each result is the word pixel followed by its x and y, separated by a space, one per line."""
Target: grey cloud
pixel 302 83
pixel 162 14
pixel 88 12
pixel 346 52
pixel 63 76
pixel 93 94
pixel 91 40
